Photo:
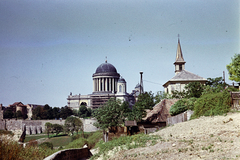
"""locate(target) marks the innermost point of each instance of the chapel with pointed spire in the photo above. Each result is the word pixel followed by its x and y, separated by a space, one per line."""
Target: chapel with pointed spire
pixel 182 77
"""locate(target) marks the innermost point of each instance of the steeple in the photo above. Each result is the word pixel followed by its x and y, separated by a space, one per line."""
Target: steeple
pixel 179 63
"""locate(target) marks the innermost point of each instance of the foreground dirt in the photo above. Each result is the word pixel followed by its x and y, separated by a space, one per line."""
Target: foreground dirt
pixel 204 138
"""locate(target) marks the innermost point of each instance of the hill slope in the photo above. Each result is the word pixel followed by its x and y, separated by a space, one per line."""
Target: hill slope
pixel 204 138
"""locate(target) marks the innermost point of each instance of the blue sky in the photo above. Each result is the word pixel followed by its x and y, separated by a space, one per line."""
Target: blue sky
pixel 51 48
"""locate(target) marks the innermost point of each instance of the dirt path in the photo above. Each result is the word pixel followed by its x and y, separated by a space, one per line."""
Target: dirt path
pixel 204 138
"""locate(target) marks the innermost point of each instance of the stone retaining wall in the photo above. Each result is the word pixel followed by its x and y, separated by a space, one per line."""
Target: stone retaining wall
pixel 38 126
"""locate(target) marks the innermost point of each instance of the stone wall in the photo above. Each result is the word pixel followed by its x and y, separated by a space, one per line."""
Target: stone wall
pixel 38 126
pixel 182 117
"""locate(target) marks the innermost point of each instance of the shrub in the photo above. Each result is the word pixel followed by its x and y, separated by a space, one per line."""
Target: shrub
pixel 182 105
pixel 212 104
pixel 46 145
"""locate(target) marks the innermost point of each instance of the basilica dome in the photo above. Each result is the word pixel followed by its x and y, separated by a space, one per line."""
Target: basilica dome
pixel 106 67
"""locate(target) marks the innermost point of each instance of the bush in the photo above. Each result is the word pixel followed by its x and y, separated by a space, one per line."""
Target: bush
pixel 182 105
pixel 212 104
pixel 5 132
pixel 46 145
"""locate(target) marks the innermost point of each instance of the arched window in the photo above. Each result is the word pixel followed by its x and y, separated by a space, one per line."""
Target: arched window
pixel 120 88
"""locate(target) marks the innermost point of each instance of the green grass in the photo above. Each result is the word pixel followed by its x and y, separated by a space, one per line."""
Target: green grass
pixel 59 141
pixel 129 142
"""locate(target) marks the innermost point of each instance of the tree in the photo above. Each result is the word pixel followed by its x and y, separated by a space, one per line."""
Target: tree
pixel 84 112
pixel 48 127
pixel 234 68
pixel 160 96
pixel 8 113
pixel 56 113
pixel 19 115
pixel 72 124
pixel 145 101
pixel 65 112
pixel 108 115
pixel 192 89
pixel 57 128
pixel 37 113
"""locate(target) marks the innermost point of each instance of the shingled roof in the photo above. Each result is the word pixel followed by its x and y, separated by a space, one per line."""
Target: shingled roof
pixel 186 76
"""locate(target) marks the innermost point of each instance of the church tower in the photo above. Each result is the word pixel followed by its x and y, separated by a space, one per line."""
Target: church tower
pixel 179 63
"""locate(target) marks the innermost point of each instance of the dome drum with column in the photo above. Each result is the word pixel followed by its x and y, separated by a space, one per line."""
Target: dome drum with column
pixel 105 78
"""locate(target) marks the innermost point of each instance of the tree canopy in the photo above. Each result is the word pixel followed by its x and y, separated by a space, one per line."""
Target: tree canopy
pixel 109 115
pixel 234 68
pixel 72 124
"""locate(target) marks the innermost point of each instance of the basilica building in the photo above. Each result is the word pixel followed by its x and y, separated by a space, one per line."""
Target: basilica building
pixel 182 77
pixel 107 83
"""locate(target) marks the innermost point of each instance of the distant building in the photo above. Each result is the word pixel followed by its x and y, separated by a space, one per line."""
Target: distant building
pixel 182 77
pixel 107 83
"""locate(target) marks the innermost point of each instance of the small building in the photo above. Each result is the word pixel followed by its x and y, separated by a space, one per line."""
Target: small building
pixel 182 77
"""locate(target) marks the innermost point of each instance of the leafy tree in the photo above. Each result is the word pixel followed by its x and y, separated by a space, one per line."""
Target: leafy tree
pixel 72 124
pixel 192 89
pixel 145 101
pixel 160 96
pixel 109 115
pixel 234 68
pixel 136 114
pixel 65 112
pixel 57 128
pixel 37 113
pixel 8 113
pixel 56 113
pixel 19 114
pixel 84 112
pixel 48 127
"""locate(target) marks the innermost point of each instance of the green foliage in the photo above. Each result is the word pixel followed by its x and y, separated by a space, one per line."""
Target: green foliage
pixel 8 113
pixel 84 112
pixel 212 104
pixel 145 101
pixel 109 115
pixel 48 127
pixel 234 68
pixel 136 114
pixel 11 150
pixel 78 143
pixel 128 142
pixel 94 138
pixel 192 89
pixel 19 115
pixel 48 112
pixel 160 96
pixel 72 124
pixel 57 128
pixel 46 145
pixel 182 105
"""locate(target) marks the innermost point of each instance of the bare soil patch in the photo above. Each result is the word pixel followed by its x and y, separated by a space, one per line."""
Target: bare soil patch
pixel 203 138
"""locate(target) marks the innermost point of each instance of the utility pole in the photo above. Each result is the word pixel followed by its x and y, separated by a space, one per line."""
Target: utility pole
pixel 141 83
